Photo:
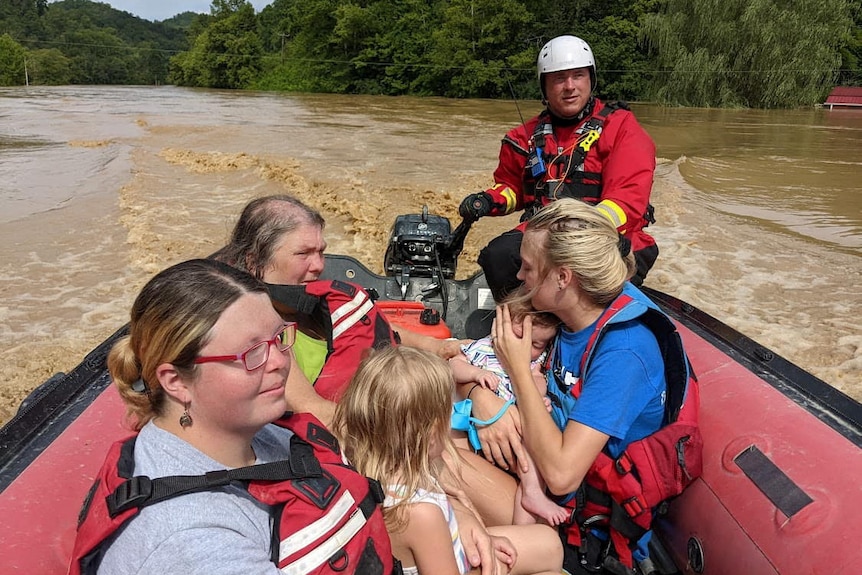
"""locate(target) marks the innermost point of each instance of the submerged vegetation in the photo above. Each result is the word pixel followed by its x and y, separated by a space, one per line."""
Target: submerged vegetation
pixel 755 53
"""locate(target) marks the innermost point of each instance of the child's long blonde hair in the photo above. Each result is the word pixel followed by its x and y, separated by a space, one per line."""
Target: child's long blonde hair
pixel 396 409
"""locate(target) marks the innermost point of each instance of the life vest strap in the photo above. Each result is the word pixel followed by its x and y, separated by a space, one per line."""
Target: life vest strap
pixel 141 491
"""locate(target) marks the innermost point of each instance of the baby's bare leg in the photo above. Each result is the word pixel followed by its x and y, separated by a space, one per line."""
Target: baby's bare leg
pixel 531 502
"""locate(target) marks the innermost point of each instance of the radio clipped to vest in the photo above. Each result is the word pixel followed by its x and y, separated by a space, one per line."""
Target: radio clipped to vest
pixel 536 162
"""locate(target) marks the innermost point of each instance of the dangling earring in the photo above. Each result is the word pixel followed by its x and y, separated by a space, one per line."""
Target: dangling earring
pixel 185 418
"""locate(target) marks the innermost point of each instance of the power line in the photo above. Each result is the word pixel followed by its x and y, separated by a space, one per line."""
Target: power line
pixel 426 65
pixel 90 45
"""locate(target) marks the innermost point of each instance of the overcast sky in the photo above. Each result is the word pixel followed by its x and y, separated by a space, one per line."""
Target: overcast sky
pixel 164 9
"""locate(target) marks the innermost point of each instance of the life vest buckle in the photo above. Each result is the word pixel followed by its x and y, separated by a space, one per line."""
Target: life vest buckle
pixel 623 464
pixel 129 494
pixel 634 506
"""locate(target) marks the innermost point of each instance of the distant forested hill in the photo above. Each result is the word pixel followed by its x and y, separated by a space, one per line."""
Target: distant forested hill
pixel 756 53
pixel 83 42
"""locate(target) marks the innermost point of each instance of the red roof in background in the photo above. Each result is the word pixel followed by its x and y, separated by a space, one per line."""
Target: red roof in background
pixel 845 95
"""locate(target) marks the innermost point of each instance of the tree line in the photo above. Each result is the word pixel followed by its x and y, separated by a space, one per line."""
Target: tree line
pixel 752 53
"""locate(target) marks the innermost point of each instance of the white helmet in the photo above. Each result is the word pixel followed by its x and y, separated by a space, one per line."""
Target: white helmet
pixel 565 53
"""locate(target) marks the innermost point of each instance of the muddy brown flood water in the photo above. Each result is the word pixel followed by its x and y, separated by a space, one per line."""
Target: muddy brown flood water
pixel 759 213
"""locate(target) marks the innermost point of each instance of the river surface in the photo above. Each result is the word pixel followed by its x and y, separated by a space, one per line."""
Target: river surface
pixel 759 212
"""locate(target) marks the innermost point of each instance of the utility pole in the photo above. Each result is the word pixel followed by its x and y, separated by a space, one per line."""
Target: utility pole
pixel 283 36
pixel 26 74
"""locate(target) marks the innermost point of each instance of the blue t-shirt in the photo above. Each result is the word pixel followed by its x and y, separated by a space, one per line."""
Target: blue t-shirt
pixel 624 392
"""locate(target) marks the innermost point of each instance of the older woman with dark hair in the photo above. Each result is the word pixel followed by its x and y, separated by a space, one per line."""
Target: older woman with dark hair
pixel 279 239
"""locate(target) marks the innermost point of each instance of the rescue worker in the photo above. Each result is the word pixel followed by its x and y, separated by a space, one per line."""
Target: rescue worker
pixel 578 147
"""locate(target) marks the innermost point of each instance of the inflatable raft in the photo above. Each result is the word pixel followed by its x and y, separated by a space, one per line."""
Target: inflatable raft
pixel 783 464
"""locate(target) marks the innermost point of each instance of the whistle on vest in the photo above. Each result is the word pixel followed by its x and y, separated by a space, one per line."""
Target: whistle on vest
pixel 586 141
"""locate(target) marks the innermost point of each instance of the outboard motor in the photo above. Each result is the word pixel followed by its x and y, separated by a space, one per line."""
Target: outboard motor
pixel 424 246
pixel 419 268
pixel 420 246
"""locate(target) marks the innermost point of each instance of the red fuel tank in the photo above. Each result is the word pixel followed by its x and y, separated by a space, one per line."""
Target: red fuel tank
pixel 409 314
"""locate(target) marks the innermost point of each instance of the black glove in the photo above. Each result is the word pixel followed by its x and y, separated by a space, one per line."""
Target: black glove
pixel 475 206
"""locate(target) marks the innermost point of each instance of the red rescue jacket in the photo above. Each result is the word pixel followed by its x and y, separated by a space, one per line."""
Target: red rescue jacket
pixel 313 484
pixel 617 165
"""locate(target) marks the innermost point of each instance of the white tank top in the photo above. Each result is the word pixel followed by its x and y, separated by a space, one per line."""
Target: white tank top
pixel 397 493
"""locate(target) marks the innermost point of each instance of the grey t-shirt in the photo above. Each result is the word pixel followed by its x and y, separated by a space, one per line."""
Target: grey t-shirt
pixel 223 531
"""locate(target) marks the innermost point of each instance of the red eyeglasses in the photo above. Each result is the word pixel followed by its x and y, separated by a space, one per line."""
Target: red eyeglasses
pixel 258 354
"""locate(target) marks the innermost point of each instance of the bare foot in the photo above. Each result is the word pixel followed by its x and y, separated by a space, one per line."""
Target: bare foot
pixel 538 505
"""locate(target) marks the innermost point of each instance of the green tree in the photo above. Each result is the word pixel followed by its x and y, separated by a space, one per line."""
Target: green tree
pixel 226 54
pixel 221 9
pixel 12 56
pixel 150 64
pixel 20 18
pixel 478 47
pixel 97 56
pixel 49 67
pixel 401 48
pixel 756 53
pixel 274 26
pixel 99 44
pixel 851 53
pixel 353 44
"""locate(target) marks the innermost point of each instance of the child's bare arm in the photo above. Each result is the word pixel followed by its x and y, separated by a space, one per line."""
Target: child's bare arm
pixel 541 385
pixel 427 535
pixel 539 379
pixel 465 372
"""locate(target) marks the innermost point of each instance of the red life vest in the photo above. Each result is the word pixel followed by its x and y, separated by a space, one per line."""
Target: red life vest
pixel 350 320
pixel 327 515
pixel 620 495
pixel 550 175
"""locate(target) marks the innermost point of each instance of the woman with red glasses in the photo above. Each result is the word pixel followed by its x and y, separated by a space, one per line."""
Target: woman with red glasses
pixel 204 363
pixel 202 375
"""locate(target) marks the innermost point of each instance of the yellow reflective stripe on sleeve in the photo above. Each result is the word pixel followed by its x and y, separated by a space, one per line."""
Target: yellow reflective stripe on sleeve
pixel 508 194
pixel 613 212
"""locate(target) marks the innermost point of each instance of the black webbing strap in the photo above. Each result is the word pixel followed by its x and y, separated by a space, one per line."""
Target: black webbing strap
pixel 373 498
pixel 676 365
pixel 140 491
pixel 294 298
pixel 774 483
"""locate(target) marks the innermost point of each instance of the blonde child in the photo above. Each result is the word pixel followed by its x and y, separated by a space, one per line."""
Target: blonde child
pixel 478 363
pixel 393 423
